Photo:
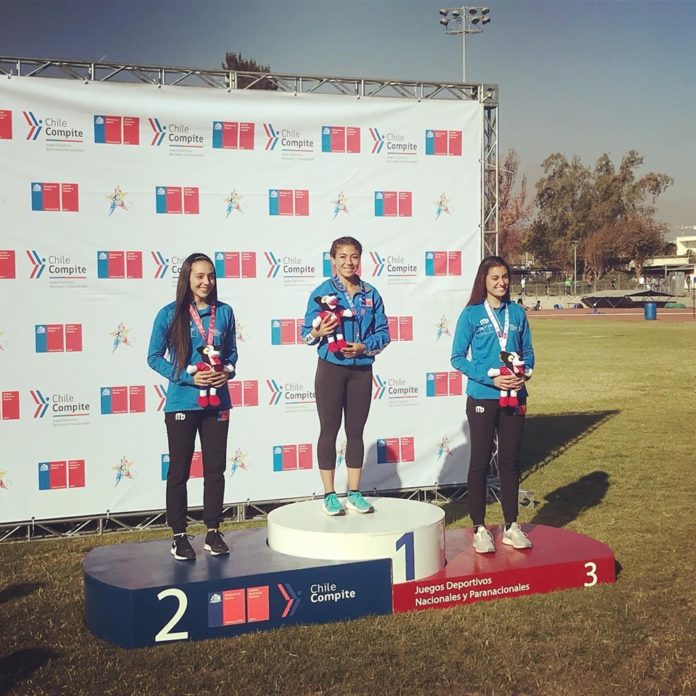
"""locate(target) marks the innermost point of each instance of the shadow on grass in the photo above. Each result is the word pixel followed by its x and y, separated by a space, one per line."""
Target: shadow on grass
pixel 566 503
pixel 548 436
pixel 21 664
pixel 21 589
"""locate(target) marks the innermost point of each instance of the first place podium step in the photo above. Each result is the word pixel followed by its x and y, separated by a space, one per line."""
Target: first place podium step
pixel 310 568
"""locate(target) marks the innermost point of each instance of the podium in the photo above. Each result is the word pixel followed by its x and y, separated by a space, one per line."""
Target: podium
pixel 306 567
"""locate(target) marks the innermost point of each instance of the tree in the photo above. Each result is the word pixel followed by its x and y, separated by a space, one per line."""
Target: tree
pixel 237 63
pixel 609 211
pixel 513 208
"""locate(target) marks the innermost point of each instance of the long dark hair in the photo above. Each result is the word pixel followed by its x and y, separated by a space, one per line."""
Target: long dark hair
pixel 478 291
pixel 179 333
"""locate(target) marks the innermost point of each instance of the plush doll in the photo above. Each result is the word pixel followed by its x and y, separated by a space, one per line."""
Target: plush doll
pixel 210 360
pixel 512 365
pixel 329 307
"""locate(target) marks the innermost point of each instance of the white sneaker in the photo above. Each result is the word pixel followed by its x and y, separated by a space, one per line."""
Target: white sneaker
pixel 516 538
pixel 483 540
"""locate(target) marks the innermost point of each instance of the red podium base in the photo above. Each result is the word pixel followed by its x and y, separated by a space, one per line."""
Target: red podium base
pixel 560 559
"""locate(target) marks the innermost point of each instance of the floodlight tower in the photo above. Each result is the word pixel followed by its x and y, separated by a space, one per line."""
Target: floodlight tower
pixel 464 20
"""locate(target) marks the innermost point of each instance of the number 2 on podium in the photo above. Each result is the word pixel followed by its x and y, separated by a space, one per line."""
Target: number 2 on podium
pixel 406 540
pixel 165 634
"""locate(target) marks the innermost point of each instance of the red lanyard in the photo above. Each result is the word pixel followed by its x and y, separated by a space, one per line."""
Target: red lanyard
pixel 199 324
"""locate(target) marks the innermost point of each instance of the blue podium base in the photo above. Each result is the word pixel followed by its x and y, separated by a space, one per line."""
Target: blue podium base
pixel 138 595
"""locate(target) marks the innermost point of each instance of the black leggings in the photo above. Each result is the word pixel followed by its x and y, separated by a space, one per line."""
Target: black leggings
pixel 342 389
pixel 182 427
pixel 485 416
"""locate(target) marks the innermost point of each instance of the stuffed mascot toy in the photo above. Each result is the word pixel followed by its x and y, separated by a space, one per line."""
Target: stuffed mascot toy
pixel 512 365
pixel 328 304
pixel 210 361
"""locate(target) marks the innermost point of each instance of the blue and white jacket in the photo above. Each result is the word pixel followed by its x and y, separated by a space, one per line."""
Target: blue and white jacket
pixel 182 393
pixel 369 327
pixel 475 348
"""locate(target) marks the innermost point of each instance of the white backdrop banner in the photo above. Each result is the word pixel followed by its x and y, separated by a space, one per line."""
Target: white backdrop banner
pixel 106 188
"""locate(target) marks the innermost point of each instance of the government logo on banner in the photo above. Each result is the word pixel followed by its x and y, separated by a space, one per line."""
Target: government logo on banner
pixel 443 263
pixel 393 450
pixel 61 474
pixel 288 202
pixel 239 606
pixel 292 457
pixel 177 200
pixel 55 197
pixel 8 269
pixel 393 204
pixel 55 131
pixel 401 328
pixel 120 265
pixel 58 338
pixel 243 393
pixel 123 399
pixel 443 383
pixel 443 142
pixel 291 143
pixel 343 139
pixel 286 332
pixel 235 264
pixel 233 135
pixel 116 130
pixel 196 465
pixel 5 124
pixel 9 405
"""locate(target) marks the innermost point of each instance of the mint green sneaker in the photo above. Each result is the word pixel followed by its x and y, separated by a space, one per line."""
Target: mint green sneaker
pixel 356 502
pixel 332 505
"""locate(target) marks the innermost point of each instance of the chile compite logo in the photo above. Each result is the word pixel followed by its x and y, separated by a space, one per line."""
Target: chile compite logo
pixel 123 470
pixel 398 391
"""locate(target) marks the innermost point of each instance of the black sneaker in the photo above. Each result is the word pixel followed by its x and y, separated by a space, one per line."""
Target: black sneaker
pixel 215 544
pixel 182 549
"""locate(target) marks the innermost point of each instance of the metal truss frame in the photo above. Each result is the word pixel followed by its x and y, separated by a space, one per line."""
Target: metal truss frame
pixel 356 87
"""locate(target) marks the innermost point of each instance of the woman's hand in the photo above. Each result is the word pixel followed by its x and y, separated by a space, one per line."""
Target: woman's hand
pixel 327 326
pixel 508 382
pixel 202 379
pixel 218 379
pixel 352 350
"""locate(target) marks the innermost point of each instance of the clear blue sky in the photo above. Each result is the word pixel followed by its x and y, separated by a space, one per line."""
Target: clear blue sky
pixel 579 77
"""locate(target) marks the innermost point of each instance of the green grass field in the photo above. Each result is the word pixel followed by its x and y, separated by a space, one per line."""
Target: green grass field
pixel 609 452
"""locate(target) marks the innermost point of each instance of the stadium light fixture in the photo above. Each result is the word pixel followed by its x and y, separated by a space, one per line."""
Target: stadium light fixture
pixel 462 21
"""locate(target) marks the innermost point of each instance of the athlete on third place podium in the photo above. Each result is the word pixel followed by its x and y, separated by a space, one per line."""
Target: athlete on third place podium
pixel 489 324
pixel 345 319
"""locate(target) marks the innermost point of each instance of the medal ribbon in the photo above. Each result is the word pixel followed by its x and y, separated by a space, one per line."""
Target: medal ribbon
pixel 502 334
pixel 199 324
pixel 351 305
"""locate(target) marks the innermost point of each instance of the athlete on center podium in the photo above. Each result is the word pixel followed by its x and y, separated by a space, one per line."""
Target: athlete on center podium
pixel 345 319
